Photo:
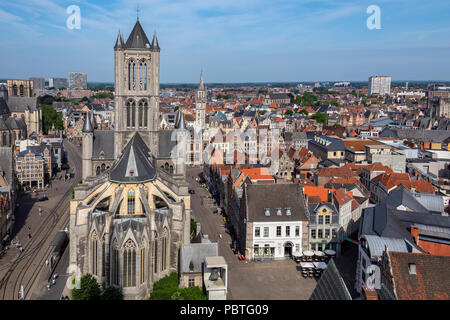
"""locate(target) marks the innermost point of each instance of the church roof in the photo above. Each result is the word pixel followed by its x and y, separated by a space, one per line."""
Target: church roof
pixel 135 164
pixel 103 142
pixel 137 39
pixel 20 104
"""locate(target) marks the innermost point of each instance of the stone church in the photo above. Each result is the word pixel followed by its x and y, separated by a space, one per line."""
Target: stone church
pixel 131 214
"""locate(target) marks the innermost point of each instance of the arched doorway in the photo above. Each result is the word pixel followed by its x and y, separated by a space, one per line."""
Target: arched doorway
pixel 288 249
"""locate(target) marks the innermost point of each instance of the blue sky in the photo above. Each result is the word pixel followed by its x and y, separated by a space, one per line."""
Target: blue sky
pixel 232 40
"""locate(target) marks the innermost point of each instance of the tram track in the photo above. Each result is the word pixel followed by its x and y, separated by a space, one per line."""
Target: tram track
pixel 19 269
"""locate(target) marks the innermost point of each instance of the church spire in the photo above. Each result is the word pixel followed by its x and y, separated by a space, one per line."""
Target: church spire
pixel 119 42
pixel 155 44
pixel 202 85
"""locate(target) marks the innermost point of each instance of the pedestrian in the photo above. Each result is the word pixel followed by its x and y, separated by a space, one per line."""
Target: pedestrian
pixel 46 262
pixel 48 286
pixel 53 281
pixel 55 275
pixel 29 236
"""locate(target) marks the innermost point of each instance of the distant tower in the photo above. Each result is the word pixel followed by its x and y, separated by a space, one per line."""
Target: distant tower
pixel 200 104
pixel 87 147
pixel 183 136
pixel 406 85
pixel 136 79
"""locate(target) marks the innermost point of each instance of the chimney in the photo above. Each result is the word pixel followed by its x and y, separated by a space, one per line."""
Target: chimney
pixel 415 234
pixel 369 294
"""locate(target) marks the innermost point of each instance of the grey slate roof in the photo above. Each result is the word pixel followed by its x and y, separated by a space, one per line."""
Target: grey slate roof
pixel 103 141
pixel 196 253
pixel 135 164
pixel 331 285
pixel 137 39
pixel 336 144
pixel 402 196
pixel 416 134
pixel 4 109
pixel 166 143
pixel 87 126
pixel 273 196
pixel 19 104
pixel 6 157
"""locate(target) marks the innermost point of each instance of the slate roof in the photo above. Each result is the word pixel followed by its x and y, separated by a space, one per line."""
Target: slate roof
pixel 103 141
pixel 273 196
pixel 419 135
pixel 6 158
pixel 166 144
pixel 335 144
pixel 4 107
pixel 135 164
pixel 430 282
pixel 196 253
pixel 137 39
pixel 331 285
pixel 19 104
pixel 402 196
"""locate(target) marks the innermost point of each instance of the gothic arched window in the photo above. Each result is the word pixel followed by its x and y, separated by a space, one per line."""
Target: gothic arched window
pixel 115 268
pixel 103 167
pixel 145 76
pixel 155 253
pixel 140 113
pixel 143 261
pixel 94 252
pixel 103 257
pixel 164 249
pixel 145 114
pixel 134 76
pixel 21 90
pixel 129 75
pixel 129 264
pixel 133 115
pixel 15 90
pixel 97 170
pixel 131 202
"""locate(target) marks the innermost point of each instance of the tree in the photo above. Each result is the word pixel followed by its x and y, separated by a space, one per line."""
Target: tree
pixel 167 289
pixel 112 293
pixel 192 293
pixel 193 225
pixel 288 113
pixel 51 117
pixel 89 289
pixel 320 117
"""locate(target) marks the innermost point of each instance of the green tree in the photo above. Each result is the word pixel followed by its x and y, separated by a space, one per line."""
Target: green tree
pixel 112 293
pixel 320 117
pixel 165 287
pixel 288 113
pixel 193 225
pixel 89 289
pixel 51 117
pixel 192 293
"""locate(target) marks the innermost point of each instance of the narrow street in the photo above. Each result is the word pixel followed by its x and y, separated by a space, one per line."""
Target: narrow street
pixel 28 268
pixel 262 280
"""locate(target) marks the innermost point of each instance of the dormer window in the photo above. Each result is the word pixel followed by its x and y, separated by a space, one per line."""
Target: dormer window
pixel 412 268
pixel 131 173
pixel 267 212
pixel 278 211
pixel 288 211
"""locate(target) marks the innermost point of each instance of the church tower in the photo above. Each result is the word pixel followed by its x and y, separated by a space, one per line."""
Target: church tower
pixel 200 105
pixel 136 78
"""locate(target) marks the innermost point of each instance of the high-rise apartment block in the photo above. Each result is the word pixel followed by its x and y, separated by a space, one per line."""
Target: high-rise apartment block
pixel 57 83
pixel 77 80
pixel 379 85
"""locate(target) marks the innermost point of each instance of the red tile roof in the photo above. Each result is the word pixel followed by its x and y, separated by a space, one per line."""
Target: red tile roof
pixel 431 280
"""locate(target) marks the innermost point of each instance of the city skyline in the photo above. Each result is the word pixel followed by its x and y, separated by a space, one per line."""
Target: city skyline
pixel 233 41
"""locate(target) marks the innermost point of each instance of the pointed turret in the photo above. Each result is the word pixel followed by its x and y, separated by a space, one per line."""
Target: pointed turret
pixel 202 85
pixel 155 44
pixel 87 127
pixel 94 122
pixel 180 123
pixel 119 42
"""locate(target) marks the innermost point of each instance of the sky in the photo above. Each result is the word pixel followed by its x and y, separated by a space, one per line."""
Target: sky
pixel 232 40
